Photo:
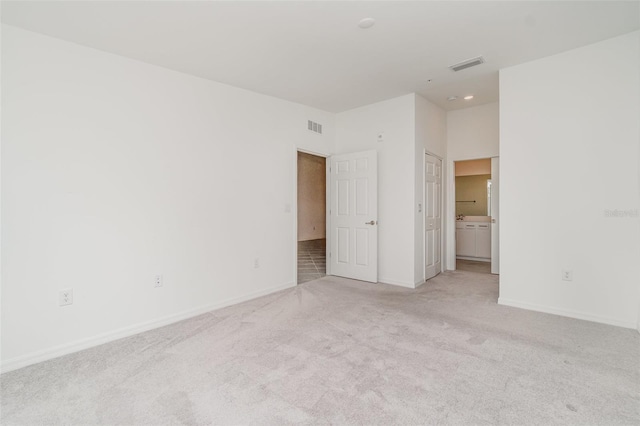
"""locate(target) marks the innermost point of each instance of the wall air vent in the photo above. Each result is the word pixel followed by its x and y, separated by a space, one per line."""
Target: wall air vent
pixel 314 127
pixel 467 64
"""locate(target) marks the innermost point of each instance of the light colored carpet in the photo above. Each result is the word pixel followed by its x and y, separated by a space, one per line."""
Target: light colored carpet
pixel 336 351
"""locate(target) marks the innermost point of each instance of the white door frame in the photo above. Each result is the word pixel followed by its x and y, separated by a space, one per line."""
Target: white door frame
pixel 450 223
pixel 294 208
pixel 423 216
pixel 495 215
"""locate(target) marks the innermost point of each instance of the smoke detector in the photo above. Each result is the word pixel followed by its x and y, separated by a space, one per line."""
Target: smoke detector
pixel 467 64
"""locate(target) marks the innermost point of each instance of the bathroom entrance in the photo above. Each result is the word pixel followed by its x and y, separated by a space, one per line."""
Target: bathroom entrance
pixel 476 215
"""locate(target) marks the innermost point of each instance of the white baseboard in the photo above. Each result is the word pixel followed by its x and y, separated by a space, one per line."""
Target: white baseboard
pixel 396 282
pixel 477 259
pixel 78 345
pixel 565 313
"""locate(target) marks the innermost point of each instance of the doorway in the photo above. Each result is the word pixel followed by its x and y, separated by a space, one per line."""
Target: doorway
pixel 312 227
pixel 475 198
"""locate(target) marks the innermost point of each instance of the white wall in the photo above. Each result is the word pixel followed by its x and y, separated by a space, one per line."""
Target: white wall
pixel 472 133
pixel 569 145
pixel 410 125
pixel 431 128
pixel 113 171
pixel 430 136
pixel 1 185
pixel 357 130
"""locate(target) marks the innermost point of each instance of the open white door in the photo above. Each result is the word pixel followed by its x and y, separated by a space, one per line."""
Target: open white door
pixel 495 215
pixel 432 216
pixel 353 215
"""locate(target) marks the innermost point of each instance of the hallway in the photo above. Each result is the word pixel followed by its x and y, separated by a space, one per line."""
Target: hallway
pixel 311 260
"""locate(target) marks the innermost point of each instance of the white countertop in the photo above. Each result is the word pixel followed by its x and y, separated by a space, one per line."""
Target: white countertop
pixel 475 219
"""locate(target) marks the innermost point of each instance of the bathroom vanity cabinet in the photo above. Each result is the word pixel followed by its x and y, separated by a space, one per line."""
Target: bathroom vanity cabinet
pixel 473 240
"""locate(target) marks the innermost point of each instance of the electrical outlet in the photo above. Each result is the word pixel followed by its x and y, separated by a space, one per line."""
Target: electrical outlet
pixel 65 297
pixel 256 262
pixel 567 275
pixel 158 281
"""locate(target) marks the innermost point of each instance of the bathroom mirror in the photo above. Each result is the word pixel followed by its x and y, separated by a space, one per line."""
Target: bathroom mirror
pixel 473 195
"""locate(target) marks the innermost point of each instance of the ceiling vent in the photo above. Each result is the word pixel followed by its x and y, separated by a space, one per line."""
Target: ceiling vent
pixel 467 64
pixel 314 127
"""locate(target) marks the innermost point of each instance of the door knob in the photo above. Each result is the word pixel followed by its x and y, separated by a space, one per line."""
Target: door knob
pixel 373 222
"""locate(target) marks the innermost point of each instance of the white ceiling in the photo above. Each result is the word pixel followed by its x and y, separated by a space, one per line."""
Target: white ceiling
pixel 313 53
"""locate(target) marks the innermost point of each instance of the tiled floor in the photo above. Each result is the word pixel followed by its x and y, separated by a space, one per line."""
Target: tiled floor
pixel 473 266
pixel 312 263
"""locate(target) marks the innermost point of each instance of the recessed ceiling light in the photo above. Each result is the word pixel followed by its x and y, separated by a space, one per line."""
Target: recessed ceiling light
pixel 366 23
pixel 452 98
pixel 468 97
